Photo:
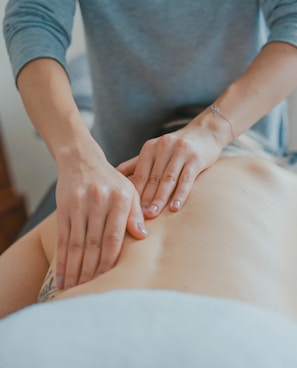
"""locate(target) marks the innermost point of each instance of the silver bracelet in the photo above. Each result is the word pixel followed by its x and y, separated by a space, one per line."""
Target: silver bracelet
pixel 217 112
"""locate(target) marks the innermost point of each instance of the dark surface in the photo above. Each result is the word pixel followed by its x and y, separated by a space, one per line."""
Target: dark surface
pixel 46 206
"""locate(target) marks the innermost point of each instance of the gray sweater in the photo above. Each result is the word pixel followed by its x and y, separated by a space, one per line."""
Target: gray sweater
pixel 149 58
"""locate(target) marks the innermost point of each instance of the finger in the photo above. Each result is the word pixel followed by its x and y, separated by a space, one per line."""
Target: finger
pixel 127 168
pixel 144 166
pixel 63 231
pixel 166 187
pixel 135 224
pixel 93 239
pixel 185 182
pixel 114 231
pixel 75 250
pixel 162 158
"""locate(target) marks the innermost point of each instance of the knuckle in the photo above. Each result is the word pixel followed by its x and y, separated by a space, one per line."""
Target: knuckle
pixel 94 192
pixel 148 145
pixel 166 140
pixel 183 144
pixel 77 197
pixel 75 247
pixel 154 179
pixel 61 243
pixel 186 178
pixel 169 177
pixel 93 243
pixel 139 177
pixel 121 196
pixel 113 240
pixel 195 161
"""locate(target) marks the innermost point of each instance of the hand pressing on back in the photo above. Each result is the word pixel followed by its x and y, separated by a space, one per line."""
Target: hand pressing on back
pixel 95 206
pixel 166 168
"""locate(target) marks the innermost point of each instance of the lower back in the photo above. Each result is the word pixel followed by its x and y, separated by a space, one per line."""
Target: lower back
pixel 233 239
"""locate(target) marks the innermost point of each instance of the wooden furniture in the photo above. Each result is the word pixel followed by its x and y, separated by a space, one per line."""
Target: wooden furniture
pixel 12 205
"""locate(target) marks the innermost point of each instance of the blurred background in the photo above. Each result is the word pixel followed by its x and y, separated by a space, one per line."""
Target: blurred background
pixel 31 166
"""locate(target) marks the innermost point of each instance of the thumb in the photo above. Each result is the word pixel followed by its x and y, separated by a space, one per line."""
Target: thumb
pixel 128 167
pixel 135 223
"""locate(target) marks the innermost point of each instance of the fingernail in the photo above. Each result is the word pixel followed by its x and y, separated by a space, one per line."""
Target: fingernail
pixel 141 228
pixel 153 209
pixel 176 204
pixel 60 282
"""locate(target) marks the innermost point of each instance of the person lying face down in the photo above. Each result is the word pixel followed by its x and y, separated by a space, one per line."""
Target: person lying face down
pixel 235 239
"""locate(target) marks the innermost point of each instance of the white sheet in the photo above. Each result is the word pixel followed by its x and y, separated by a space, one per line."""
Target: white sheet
pixel 147 329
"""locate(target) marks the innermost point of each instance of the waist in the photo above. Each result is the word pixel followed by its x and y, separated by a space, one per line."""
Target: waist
pixel 217 271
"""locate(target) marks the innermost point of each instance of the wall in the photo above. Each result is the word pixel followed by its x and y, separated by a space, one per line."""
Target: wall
pixel 293 121
pixel 32 167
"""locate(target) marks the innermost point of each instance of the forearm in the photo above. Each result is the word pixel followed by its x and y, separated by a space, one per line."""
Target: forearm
pixel 47 96
pixel 268 80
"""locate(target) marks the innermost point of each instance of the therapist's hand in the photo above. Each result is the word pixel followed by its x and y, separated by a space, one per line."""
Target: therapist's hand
pixel 95 206
pixel 167 167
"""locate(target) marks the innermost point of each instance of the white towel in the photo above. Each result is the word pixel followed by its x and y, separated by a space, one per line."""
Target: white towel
pixel 147 329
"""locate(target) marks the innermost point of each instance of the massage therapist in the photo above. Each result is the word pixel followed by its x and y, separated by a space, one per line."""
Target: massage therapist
pixel 147 59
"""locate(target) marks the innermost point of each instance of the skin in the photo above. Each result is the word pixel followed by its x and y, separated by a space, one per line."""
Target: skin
pixel 165 168
pixel 235 238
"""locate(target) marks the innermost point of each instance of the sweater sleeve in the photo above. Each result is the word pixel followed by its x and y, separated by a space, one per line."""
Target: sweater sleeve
pixel 281 18
pixel 37 28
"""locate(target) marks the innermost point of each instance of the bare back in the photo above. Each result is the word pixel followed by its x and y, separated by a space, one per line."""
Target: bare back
pixel 235 239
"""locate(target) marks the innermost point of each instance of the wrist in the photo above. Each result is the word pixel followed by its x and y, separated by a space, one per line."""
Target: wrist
pixel 78 146
pixel 66 138
pixel 217 112
pixel 215 123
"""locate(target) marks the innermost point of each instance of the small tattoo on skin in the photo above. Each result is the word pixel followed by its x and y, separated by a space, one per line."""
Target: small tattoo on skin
pixel 49 288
